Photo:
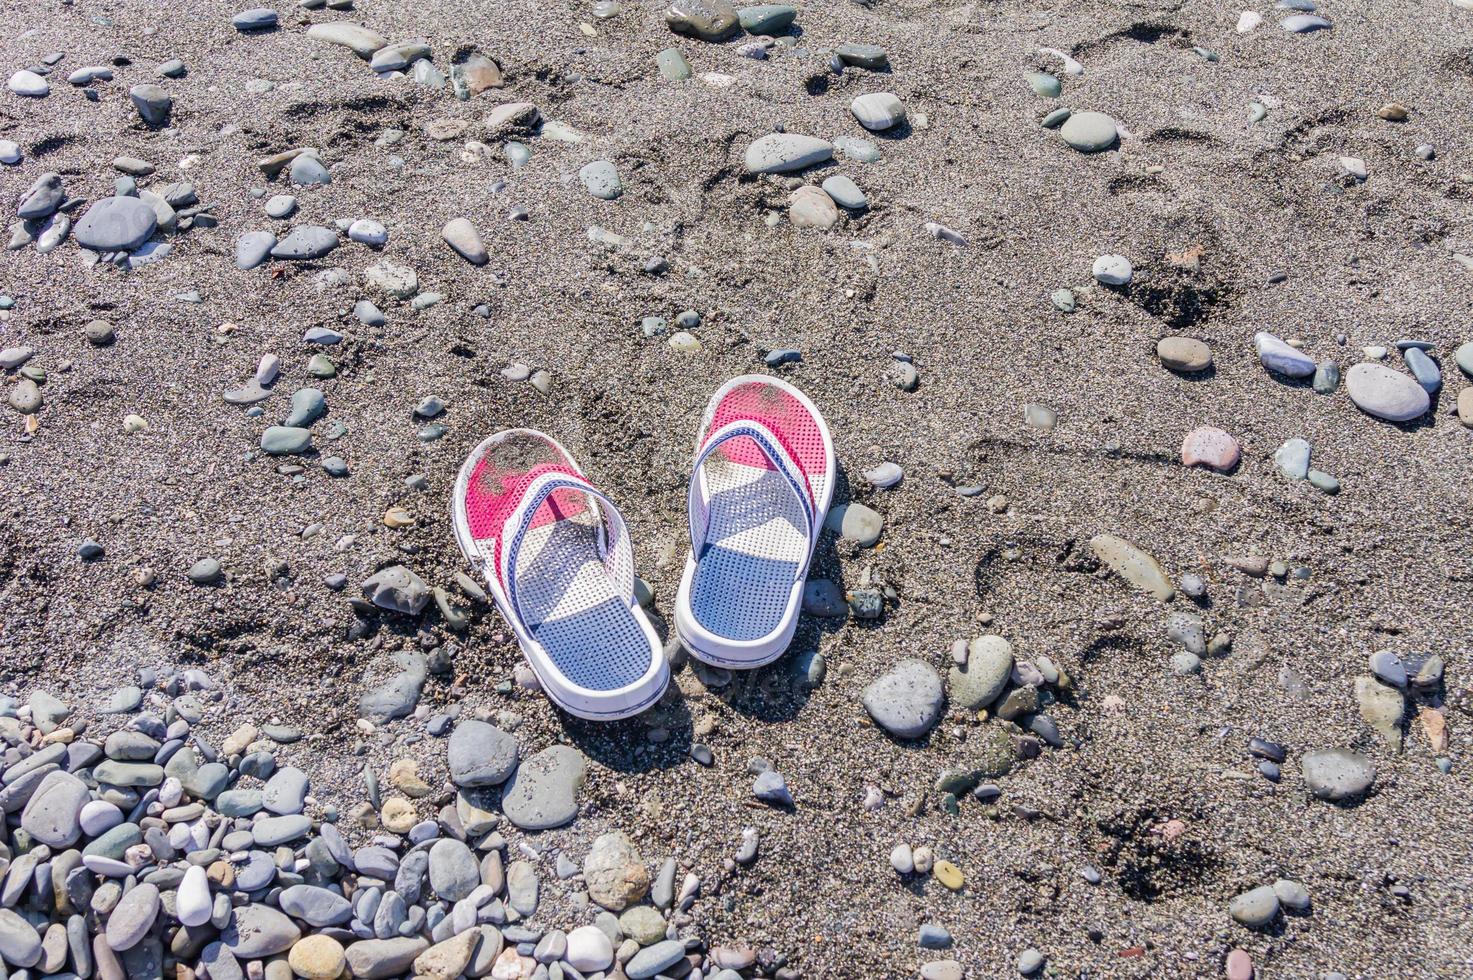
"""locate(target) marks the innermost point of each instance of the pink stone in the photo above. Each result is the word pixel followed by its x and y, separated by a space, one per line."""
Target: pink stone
pixel 1210 447
pixel 1239 965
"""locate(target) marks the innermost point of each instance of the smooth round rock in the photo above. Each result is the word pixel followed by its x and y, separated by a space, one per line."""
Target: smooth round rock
pixel 1210 447
pixel 856 522
pixel 709 20
pixel 1386 393
pixel 255 19
pixel 878 111
pixel 281 440
pixel 317 957
pixel 1089 132
pixel 543 792
pixel 1338 774
pixel 133 917
pixel 978 682
pixel 1185 354
pixel 1256 908
pixel 907 700
pixel 1112 270
pixel 480 754
pixel 601 179
pixel 1280 358
pixel 116 224
pixel 811 207
pixel 778 153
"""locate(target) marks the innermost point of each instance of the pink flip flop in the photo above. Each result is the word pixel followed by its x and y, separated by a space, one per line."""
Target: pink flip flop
pixel 556 555
pixel 760 487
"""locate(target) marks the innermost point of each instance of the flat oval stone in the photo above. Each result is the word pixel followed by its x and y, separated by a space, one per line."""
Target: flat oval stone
pixel 272 831
pixel 810 207
pixel 845 192
pixel 29 84
pixel 1385 393
pixel 255 19
pixel 1463 356
pixel 305 242
pixel 1132 564
pixel 653 960
pixel 281 440
pixel 1424 369
pixel 778 153
pixel 1304 24
pixel 133 917
pixel 1185 354
pixel 316 906
pixel 52 816
pixel 258 931
pixel 767 18
pixel 1089 132
pixel 978 682
pixel 906 700
pixel 1210 447
pixel 360 40
pixel 601 179
pixel 116 224
pixel 869 56
pixel 878 111
pixel 1112 270
pixel 462 236
pixel 253 248
pixel 1338 774
pixel 543 792
pixel 480 754
pixel 20 944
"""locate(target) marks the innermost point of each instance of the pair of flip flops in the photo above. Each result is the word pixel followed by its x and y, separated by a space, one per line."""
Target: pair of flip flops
pixel 557 555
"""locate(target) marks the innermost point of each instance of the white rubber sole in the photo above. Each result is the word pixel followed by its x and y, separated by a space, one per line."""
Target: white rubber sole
pixel 612 705
pixel 719 651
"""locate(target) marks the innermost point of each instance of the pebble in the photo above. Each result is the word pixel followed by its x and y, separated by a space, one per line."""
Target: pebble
pixel 845 193
pixel 1338 774
pixel 1280 358
pixel 708 20
pixel 1089 132
pixel 778 153
pixel 1256 908
pixel 812 207
pixel 1184 354
pixel 254 19
pixel 1424 369
pixel 907 700
pixel 981 680
pixel 1292 459
pixel 856 522
pixel 1210 447
pixel 305 242
pixel 878 111
pixel 542 793
pixel 29 84
pixel 1112 270
pixel 116 224
pixel 614 872
pixel 1386 393
pixel 1304 24
pixel 601 179
pixel 1132 564
pixel 463 238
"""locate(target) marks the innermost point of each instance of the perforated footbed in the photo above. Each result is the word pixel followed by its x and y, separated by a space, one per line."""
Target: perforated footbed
pixel 756 541
pixel 572 573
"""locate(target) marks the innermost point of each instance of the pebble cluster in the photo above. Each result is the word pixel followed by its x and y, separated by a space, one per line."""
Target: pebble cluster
pixel 148 851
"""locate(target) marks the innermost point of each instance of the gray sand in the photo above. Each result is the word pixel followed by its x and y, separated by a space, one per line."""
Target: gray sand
pixel 1389 557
